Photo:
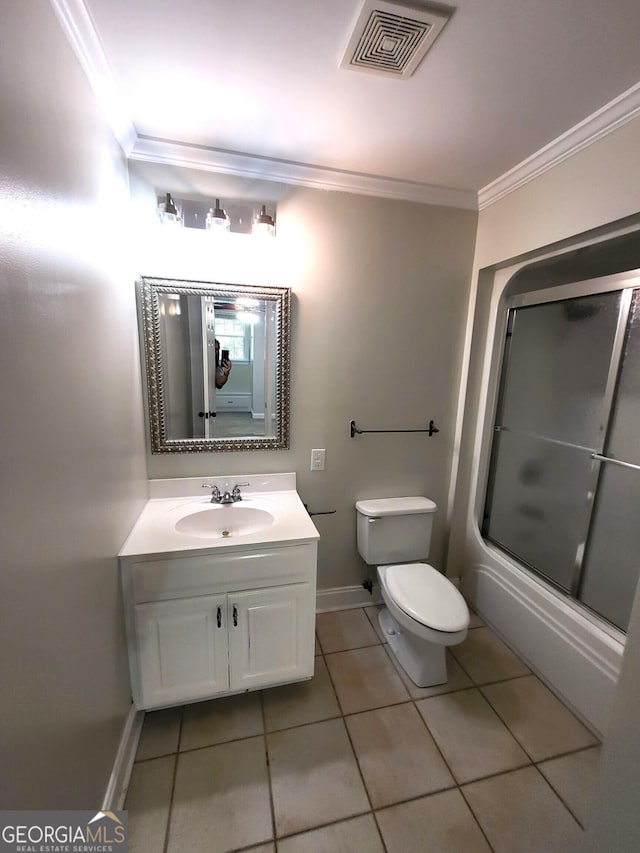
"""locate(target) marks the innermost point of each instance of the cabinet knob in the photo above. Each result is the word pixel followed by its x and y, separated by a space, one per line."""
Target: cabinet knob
pixel 235 616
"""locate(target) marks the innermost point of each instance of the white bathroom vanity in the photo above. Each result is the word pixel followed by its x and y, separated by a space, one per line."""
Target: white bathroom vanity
pixel 219 598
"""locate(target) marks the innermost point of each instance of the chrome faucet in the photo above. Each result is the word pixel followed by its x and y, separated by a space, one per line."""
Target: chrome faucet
pixel 216 497
pixel 236 496
pixel 227 497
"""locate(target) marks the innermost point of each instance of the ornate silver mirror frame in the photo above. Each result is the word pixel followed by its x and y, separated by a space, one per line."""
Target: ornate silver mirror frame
pixel 274 302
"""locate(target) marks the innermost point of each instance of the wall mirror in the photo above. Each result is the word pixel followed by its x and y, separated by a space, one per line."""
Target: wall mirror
pixel 217 365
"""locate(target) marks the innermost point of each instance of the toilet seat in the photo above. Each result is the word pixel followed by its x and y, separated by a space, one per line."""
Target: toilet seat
pixel 421 599
pixel 427 596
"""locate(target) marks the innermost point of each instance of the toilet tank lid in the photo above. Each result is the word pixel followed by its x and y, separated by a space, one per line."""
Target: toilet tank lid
pixel 396 506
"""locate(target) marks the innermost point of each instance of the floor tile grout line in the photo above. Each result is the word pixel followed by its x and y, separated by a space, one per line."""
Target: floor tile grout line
pixel 480 684
pixel 354 648
pixel 517 739
pixel 268 763
pixel 532 672
pixel 377 641
pixel 167 833
pixel 559 796
pixel 432 736
pixel 364 784
pixel 230 741
pixel 414 799
pixel 328 823
pixel 477 683
pixel 333 687
pixel 458 785
pixel 570 752
pixel 507 727
pixel 476 819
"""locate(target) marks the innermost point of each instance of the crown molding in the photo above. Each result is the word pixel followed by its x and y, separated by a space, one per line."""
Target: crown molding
pixel 81 34
pixel 613 115
pixel 243 165
pixel 80 30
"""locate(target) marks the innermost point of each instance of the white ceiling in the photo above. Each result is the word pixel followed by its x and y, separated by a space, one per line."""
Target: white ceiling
pixel 261 77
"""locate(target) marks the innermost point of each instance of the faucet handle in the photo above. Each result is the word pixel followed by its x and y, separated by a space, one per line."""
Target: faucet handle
pixel 236 491
pixel 215 491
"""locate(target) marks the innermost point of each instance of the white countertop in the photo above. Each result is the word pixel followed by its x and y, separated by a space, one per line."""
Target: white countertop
pixel 154 532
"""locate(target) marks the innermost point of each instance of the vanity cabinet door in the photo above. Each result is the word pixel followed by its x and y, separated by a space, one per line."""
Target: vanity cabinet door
pixel 182 649
pixel 271 635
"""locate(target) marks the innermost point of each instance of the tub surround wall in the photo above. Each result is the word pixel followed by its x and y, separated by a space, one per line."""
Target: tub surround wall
pixel 379 304
pixel 73 471
pixel 589 192
pixel 596 190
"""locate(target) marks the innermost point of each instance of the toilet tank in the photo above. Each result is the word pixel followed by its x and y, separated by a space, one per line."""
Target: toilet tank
pixel 394 530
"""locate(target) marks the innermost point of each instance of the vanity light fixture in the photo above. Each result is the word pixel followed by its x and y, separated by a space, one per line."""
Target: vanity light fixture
pixel 264 223
pixel 168 213
pixel 217 219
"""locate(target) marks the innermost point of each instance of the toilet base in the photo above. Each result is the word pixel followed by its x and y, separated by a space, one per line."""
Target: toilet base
pixel 423 661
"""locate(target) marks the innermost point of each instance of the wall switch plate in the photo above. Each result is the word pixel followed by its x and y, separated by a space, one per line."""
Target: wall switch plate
pixel 317 460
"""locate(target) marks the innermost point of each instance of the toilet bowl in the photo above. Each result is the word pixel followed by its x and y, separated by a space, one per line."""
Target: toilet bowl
pixel 424 611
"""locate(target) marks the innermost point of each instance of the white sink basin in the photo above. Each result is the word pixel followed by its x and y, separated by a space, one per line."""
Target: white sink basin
pixel 179 518
pixel 224 522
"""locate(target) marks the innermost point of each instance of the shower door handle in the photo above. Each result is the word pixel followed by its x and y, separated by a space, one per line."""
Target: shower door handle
pixel 601 458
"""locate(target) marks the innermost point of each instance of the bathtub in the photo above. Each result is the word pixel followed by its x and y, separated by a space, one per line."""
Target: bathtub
pixel 576 654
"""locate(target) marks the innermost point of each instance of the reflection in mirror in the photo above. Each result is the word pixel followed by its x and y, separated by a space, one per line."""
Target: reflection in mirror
pixel 217 361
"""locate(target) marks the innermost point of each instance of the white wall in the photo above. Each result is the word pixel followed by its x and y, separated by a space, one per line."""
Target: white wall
pixel 379 302
pixel 588 192
pixel 613 823
pixel 598 185
pixel 72 456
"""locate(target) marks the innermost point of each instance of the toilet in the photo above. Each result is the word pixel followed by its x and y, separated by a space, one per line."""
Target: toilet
pixel 424 611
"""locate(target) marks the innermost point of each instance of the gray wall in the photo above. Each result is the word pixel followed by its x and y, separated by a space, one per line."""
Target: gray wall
pixel 72 457
pixel 380 292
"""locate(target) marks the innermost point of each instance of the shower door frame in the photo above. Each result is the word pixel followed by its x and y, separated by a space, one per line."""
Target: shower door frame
pixel 625 283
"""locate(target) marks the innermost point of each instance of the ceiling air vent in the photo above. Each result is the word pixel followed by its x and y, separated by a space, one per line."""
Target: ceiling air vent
pixel 390 38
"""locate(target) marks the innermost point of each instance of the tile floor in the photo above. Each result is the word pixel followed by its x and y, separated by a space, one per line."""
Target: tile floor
pixel 359 759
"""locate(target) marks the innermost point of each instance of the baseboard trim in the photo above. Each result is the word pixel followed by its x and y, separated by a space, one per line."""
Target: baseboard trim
pixel 119 780
pixel 344 597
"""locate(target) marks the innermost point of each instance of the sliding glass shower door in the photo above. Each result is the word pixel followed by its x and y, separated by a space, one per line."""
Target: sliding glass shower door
pixel 612 559
pixel 569 398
